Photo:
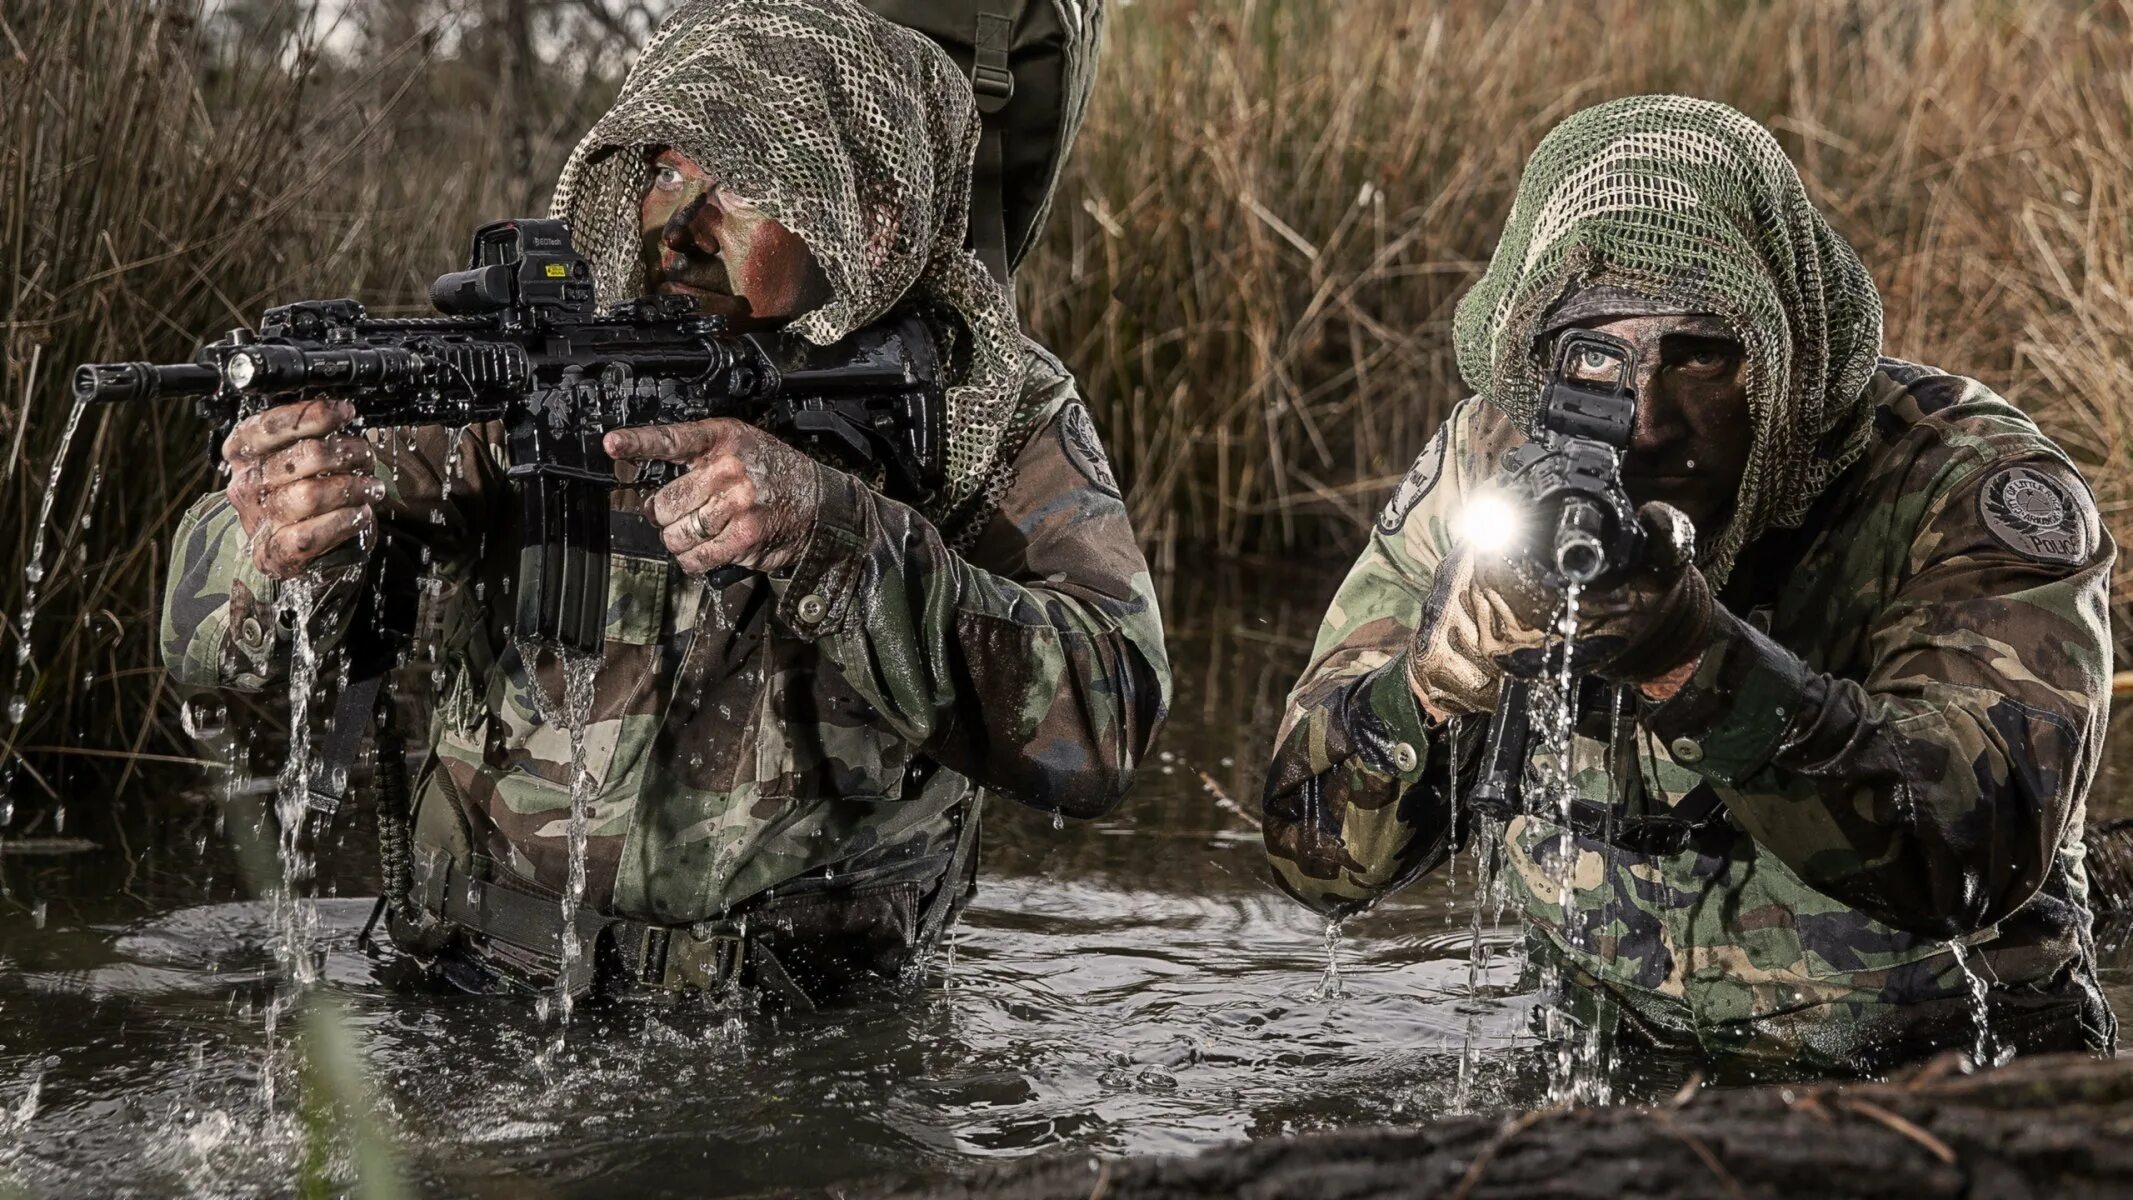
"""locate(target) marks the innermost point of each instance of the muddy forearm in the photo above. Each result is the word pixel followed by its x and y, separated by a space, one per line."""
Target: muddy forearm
pixel 1935 812
pixel 1046 685
pixel 1353 805
pixel 225 623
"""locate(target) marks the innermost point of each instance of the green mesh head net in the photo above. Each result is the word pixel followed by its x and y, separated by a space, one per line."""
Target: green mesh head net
pixel 856 134
pixel 1693 206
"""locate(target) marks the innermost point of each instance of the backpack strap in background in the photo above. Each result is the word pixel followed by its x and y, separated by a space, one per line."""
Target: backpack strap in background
pixel 993 82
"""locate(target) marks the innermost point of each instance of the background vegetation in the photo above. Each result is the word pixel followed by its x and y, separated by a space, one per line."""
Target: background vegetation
pixel 1252 266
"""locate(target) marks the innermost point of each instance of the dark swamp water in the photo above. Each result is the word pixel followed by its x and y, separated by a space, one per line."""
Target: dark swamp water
pixel 1128 986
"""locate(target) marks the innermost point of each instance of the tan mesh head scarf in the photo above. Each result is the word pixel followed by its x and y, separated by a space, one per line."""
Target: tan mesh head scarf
pixel 1693 206
pixel 857 135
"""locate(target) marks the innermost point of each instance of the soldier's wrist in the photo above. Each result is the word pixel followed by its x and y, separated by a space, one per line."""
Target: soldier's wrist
pixel 817 585
pixel 1729 715
pixel 1665 686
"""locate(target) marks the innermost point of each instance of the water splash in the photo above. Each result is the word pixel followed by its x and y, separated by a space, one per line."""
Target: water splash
pixel 13 1119
pixel 1579 1069
pixel 295 917
pixel 1986 1051
pixel 1330 984
pixel 571 712
pixel 1477 958
pixel 298 601
pixel 33 571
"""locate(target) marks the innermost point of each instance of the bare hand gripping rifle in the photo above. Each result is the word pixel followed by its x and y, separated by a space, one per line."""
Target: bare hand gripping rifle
pixel 520 341
pixel 1581 527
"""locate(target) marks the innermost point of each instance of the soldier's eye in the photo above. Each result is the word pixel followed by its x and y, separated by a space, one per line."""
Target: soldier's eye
pixel 665 177
pixel 1707 360
pixel 1595 366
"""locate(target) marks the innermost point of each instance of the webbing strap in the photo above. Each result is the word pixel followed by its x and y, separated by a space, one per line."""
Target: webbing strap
pixel 993 84
pixel 955 880
pixel 352 710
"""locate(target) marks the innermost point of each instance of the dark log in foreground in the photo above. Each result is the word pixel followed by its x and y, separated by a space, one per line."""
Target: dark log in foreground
pixel 2052 1126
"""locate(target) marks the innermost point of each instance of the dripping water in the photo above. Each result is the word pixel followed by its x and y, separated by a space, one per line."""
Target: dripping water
pixel 1330 985
pixel 34 571
pixel 1986 1051
pixel 295 919
pixel 571 712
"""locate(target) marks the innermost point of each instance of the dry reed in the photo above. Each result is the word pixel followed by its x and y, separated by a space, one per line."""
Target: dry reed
pixel 1252 265
pixel 1275 207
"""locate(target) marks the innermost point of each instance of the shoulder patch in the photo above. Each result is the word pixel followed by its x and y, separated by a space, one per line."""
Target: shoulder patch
pixel 2034 515
pixel 1086 451
pixel 1420 481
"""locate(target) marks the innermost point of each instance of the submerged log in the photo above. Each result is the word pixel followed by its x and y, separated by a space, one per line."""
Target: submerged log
pixel 2050 1126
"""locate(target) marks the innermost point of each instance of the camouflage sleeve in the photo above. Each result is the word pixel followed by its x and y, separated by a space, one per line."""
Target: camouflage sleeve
pixel 1035 665
pixel 1349 815
pixel 224 624
pixel 1933 793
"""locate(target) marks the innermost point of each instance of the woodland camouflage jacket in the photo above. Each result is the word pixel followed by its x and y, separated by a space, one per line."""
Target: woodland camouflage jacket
pixel 1899 719
pixel 818 731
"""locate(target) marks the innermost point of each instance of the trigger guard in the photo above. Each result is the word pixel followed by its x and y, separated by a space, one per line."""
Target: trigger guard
pixel 655 475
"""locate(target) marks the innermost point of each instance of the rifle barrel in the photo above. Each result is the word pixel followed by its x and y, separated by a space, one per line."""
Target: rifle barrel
pixel 113 383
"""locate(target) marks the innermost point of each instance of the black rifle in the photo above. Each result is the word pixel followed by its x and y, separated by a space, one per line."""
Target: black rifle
pixel 521 342
pixel 1582 527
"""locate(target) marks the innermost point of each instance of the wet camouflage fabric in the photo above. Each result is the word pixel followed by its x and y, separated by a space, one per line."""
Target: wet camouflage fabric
pixel 813 732
pixel 1900 716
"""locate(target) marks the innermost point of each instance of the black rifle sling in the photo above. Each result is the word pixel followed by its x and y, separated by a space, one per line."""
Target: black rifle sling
pixel 379 629
pixel 956 881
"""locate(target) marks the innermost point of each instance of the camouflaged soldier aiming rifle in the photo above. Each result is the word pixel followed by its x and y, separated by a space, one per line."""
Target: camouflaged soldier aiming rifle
pixel 1834 748
pixel 785 770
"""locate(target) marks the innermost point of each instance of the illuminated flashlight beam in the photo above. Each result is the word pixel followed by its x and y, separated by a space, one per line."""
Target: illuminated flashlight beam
pixel 1489 524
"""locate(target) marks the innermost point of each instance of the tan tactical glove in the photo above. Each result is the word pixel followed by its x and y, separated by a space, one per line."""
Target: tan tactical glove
pixel 1486 617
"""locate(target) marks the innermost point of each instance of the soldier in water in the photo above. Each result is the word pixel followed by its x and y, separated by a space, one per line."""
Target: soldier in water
pixel 1825 799
pixel 784 772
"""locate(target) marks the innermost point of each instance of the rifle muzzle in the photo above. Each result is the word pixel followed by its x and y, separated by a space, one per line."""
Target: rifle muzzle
pixel 113 383
pixel 1580 548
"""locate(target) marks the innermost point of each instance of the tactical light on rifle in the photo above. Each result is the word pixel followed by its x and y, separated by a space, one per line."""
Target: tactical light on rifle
pixel 1491 523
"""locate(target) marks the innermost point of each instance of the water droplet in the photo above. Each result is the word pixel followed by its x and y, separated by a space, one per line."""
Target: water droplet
pixel 203 717
pixel 17 708
pixel 34 572
pixel 37 911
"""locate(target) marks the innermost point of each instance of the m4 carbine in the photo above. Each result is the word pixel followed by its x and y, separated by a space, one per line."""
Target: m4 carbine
pixel 1581 527
pixel 520 341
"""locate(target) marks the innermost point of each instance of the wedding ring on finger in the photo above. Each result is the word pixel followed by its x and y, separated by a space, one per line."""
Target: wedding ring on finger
pixel 696 526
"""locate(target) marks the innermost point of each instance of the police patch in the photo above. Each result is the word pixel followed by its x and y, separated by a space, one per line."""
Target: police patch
pixel 1420 480
pixel 2034 515
pixel 1086 450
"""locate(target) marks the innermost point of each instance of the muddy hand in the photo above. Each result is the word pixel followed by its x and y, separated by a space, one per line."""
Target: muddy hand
pixel 300 484
pixel 1473 624
pixel 1642 629
pixel 746 499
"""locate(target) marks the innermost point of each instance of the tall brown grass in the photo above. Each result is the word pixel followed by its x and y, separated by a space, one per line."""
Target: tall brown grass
pixel 164 176
pixel 1275 206
pixel 1252 265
